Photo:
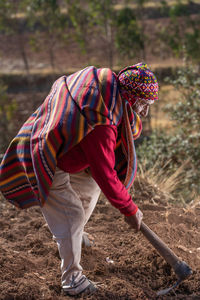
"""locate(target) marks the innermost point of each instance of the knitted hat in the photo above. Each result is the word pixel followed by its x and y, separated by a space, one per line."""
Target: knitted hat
pixel 138 82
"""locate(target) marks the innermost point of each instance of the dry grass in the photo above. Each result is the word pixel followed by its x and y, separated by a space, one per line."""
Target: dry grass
pixel 158 186
pixel 193 204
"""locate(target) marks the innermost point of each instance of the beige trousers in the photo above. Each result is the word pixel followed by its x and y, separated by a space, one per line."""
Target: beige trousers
pixel 70 203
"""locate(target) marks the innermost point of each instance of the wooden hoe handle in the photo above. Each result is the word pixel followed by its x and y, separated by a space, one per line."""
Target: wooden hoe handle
pixel 159 245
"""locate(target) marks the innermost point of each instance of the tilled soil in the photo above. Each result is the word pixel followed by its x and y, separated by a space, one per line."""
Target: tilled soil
pixel 123 263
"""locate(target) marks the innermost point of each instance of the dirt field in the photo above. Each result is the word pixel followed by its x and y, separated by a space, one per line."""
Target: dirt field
pixel 122 262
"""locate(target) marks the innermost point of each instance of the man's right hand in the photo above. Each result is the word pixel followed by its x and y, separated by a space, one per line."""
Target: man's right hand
pixel 135 220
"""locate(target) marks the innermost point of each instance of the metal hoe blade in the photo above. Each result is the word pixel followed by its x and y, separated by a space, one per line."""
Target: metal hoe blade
pixel 167 290
pixel 182 270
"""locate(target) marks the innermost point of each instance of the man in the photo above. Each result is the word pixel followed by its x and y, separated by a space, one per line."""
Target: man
pixel 89 120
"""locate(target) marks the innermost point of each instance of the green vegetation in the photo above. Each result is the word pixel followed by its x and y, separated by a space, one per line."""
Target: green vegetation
pixel 128 36
pixel 182 33
pixel 48 14
pixel 180 148
pixel 7 110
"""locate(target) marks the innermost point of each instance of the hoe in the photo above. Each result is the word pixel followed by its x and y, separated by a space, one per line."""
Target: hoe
pixel 181 269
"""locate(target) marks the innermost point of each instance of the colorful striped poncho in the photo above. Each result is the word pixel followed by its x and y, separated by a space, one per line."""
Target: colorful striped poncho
pixel 75 105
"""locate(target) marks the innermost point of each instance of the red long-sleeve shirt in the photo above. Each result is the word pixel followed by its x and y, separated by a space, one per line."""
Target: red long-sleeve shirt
pixel 96 150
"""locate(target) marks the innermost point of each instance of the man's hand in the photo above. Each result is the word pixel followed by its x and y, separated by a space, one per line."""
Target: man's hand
pixel 135 220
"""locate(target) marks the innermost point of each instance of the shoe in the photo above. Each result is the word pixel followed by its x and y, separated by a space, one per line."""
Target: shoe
pixel 89 290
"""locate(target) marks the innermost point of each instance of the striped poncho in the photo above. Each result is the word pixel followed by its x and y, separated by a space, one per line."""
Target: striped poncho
pixel 74 106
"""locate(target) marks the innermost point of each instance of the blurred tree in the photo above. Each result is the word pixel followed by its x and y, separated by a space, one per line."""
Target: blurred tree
pixel 12 25
pixel 128 33
pixel 192 40
pixel 182 33
pixel 7 109
pixel 47 13
pixel 80 20
pixel 104 15
pixel 140 16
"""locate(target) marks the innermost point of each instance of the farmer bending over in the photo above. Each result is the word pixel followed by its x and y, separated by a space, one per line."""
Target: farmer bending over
pixel 90 119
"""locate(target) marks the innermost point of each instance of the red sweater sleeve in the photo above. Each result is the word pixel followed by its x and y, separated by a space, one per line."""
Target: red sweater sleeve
pixel 98 147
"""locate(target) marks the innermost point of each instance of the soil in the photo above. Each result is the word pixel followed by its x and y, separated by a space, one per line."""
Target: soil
pixel 123 263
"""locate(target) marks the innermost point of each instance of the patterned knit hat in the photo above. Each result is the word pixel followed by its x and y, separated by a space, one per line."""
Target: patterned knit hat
pixel 138 82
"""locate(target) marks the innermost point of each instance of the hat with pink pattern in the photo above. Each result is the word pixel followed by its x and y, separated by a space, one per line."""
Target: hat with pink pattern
pixel 138 82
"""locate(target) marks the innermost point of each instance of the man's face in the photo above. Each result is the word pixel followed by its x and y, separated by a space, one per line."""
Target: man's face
pixel 141 107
